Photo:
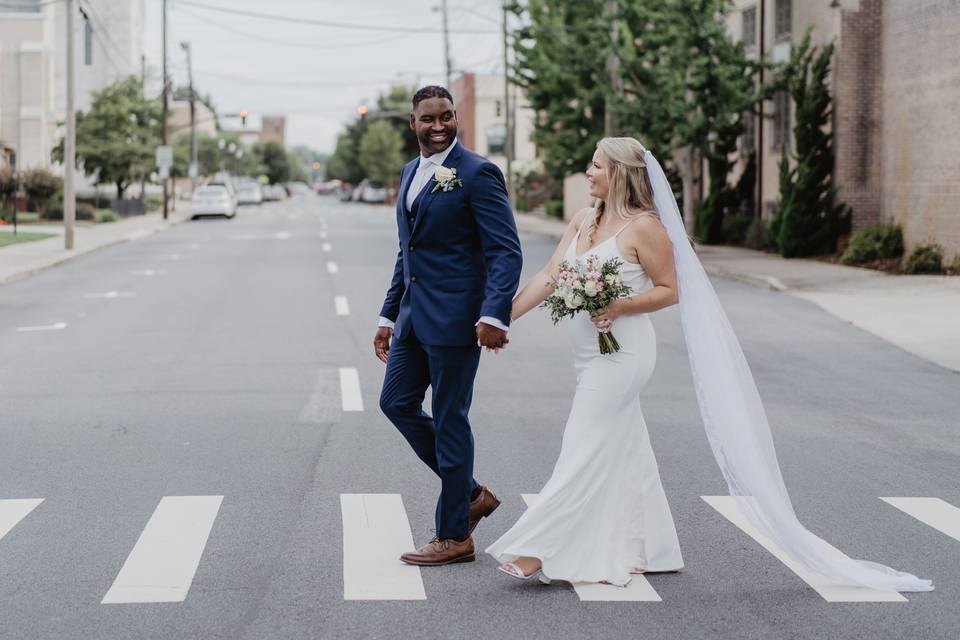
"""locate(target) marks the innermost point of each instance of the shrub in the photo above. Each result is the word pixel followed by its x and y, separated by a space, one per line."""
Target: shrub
pixel 554 209
pixel 756 236
pixel 956 264
pixel 735 228
pixel 84 212
pixel 925 258
pixel 40 186
pixel 105 215
pixel 874 242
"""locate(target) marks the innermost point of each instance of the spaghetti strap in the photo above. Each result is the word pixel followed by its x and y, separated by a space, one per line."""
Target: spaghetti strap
pixel 622 229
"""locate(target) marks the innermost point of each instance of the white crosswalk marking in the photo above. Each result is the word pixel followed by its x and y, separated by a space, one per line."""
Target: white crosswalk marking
pixel 332 267
pixel 350 389
pixel 161 566
pixel 375 532
pixel 639 589
pixel 934 512
pixel 828 590
pixel 58 326
pixel 14 510
pixel 343 307
pixel 327 247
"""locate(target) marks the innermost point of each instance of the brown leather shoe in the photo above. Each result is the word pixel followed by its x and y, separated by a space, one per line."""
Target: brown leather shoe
pixel 485 504
pixel 439 552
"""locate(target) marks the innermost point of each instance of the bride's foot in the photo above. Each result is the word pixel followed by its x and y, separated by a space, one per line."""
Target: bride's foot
pixel 522 568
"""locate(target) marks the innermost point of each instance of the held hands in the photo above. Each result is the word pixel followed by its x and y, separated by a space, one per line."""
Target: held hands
pixel 491 338
pixel 381 342
pixel 603 321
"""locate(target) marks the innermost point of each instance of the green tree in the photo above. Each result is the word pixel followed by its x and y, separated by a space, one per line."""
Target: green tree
pixel 381 152
pixel 41 186
pixel 273 157
pixel 809 219
pixel 344 164
pixel 117 136
pixel 394 106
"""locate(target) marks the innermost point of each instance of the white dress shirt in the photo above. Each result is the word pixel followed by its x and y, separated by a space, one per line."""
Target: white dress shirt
pixel 425 170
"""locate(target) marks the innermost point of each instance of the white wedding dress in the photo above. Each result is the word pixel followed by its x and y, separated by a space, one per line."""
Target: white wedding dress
pixel 603 514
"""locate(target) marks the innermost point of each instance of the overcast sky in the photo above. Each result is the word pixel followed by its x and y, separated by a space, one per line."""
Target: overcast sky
pixel 317 75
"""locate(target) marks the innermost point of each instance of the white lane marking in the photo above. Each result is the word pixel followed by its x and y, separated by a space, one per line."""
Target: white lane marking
pixel 327 247
pixel 828 590
pixel 195 246
pixel 110 295
pixel 332 267
pixel 149 272
pixel 375 532
pixel 350 389
pixel 323 235
pixel 639 589
pixel 343 307
pixel 934 512
pixel 161 566
pixel 14 510
pixel 173 257
pixel 282 235
pixel 45 327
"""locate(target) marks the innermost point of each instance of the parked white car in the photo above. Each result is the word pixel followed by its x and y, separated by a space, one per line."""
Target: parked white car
pixel 249 193
pixel 214 200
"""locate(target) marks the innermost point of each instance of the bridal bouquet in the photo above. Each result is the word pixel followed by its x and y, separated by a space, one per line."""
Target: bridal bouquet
pixel 591 289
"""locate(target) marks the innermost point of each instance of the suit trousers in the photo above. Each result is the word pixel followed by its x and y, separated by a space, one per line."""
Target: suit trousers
pixel 444 440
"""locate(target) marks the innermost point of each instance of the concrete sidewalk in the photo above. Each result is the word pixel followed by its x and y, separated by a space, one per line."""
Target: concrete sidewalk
pixel 920 314
pixel 24 259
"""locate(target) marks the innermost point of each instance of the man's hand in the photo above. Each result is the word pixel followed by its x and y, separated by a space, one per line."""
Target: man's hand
pixel 491 338
pixel 381 342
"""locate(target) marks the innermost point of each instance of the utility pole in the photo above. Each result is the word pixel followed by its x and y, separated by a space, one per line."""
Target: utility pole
pixel 761 125
pixel 508 133
pixel 193 120
pixel 446 43
pixel 613 71
pixel 70 142
pixel 166 109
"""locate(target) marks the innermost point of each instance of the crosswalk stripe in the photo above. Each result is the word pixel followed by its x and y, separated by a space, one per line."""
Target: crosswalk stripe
pixel 830 591
pixel 375 532
pixel 161 566
pixel 934 512
pixel 14 510
pixel 639 589
pixel 350 389
pixel 343 307
pixel 332 267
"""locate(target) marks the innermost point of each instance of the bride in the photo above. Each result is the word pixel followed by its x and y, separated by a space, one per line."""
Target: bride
pixel 603 513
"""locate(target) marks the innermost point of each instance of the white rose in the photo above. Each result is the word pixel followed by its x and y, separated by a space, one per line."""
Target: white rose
pixel 590 288
pixel 578 285
pixel 568 300
pixel 577 301
pixel 443 174
pixel 610 279
pixel 564 290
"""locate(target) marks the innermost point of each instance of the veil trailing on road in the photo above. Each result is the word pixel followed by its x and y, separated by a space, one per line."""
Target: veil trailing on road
pixel 736 423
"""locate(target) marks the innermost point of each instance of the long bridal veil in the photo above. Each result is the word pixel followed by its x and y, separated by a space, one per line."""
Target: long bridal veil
pixel 736 423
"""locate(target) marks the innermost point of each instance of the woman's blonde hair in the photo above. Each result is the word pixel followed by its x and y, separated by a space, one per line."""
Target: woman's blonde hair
pixel 630 193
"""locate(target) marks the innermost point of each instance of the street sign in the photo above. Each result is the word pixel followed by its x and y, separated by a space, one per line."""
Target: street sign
pixel 164 157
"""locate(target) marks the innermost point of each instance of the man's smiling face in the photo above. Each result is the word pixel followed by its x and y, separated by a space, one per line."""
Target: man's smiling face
pixel 435 123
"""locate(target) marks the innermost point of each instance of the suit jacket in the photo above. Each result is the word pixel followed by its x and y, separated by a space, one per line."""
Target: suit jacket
pixel 459 255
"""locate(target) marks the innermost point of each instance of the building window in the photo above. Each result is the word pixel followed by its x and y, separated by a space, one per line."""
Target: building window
pixel 87 44
pixel 748 139
pixel 499 108
pixel 496 140
pixel 749 27
pixel 781 120
pixel 784 20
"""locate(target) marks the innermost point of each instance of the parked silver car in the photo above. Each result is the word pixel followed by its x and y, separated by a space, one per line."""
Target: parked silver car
pixel 214 199
pixel 249 193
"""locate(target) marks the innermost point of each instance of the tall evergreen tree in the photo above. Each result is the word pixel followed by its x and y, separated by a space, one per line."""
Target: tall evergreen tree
pixel 809 219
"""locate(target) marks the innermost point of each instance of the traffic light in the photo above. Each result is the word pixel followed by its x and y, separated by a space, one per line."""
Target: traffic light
pixel 362 110
pixel 243 116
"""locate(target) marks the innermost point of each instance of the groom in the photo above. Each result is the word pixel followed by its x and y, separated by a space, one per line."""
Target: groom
pixel 452 289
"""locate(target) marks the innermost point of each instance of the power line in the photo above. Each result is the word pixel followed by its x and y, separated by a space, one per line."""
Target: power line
pixel 321 23
pixel 292 83
pixel 288 43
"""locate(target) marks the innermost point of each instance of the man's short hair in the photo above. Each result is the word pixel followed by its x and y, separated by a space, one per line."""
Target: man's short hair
pixel 431 91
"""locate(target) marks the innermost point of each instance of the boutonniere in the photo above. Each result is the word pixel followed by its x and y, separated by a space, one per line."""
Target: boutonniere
pixel 446 179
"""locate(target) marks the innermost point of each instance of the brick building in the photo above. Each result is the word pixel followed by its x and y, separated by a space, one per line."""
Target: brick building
pixel 896 82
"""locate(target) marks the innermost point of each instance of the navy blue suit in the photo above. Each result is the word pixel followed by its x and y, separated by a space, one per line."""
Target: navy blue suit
pixel 459 259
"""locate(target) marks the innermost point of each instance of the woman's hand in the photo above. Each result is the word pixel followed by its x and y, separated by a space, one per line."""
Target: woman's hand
pixel 603 321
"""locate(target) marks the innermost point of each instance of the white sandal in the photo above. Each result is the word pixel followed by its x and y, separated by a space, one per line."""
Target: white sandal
pixel 517 573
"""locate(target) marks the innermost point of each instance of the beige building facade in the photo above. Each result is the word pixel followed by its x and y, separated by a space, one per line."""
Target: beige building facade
pixel 895 80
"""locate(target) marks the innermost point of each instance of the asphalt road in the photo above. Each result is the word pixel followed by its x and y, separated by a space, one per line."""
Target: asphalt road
pixel 205 361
